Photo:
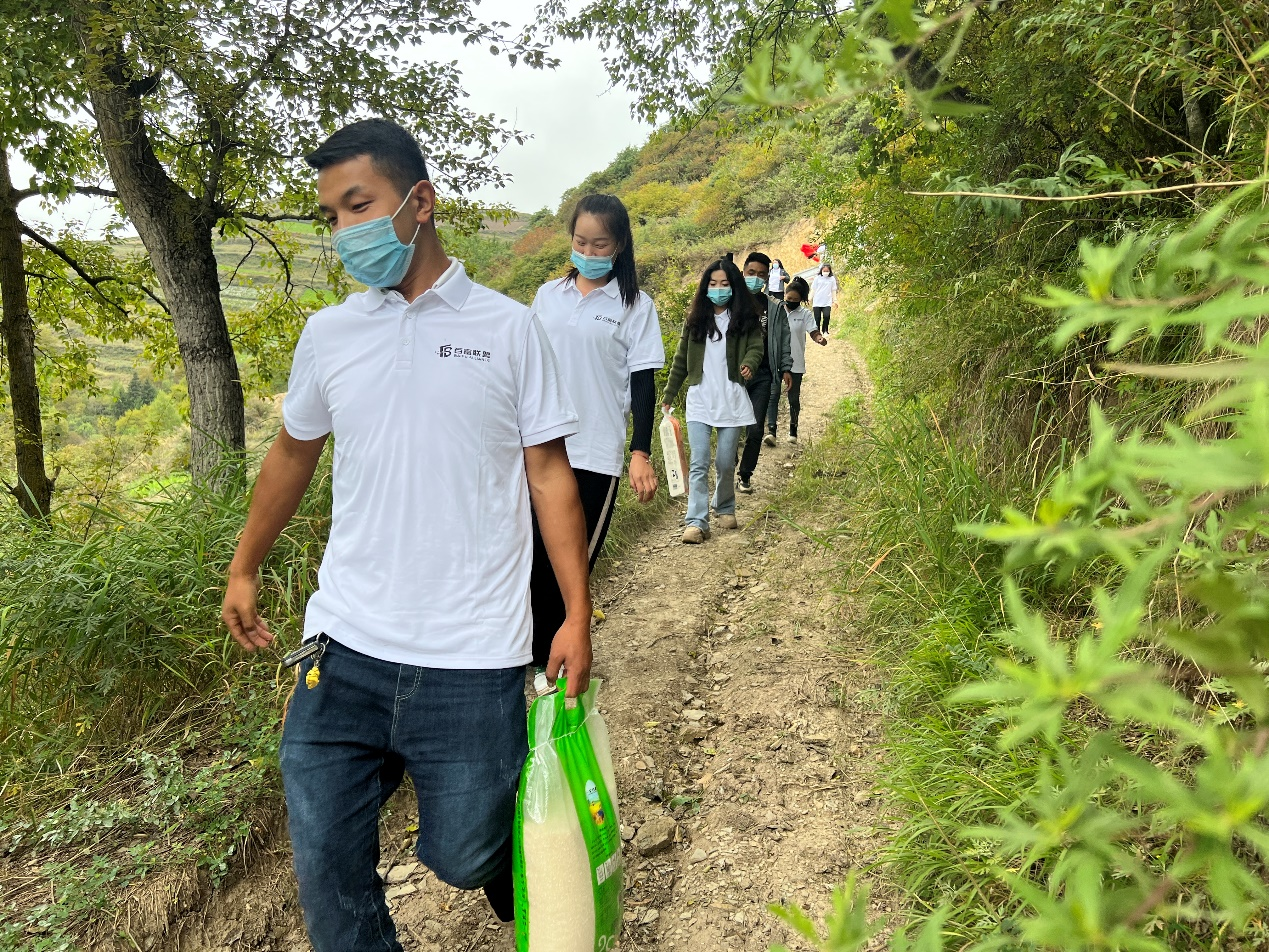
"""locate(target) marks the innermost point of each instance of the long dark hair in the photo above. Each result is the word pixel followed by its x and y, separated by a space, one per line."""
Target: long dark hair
pixel 700 316
pixel 610 210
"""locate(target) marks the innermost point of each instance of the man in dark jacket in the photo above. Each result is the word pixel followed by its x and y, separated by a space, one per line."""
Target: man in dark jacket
pixel 778 359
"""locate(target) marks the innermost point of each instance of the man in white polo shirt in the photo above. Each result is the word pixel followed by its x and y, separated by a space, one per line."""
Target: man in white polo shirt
pixel 449 418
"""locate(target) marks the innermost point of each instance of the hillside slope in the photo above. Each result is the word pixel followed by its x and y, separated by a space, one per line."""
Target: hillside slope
pixel 692 196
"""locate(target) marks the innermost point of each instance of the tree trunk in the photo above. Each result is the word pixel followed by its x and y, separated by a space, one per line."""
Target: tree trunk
pixel 176 230
pixel 34 490
pixel 1196 121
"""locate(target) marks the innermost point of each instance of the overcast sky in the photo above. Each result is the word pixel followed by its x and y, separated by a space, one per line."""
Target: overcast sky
pixel 576 122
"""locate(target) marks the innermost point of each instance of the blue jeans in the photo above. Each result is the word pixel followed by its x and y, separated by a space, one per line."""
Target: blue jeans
pixel 346 744
pixel 698 503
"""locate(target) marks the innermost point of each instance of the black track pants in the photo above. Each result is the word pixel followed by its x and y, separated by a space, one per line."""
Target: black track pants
pixel 599 498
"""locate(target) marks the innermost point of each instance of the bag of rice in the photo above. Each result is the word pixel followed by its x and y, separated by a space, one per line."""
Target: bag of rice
pixel 673 454
pixel 568 868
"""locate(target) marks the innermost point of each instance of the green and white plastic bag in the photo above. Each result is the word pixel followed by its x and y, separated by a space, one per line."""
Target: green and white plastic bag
pixel 568 867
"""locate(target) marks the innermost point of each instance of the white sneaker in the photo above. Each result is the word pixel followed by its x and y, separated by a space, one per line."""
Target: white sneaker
pixel 793 437
pixel 769 440
pixel 744 485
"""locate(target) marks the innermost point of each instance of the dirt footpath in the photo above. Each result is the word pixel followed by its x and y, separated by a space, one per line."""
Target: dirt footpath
pixel 743 725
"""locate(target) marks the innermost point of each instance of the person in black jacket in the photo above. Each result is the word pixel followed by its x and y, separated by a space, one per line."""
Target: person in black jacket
pixel 777 360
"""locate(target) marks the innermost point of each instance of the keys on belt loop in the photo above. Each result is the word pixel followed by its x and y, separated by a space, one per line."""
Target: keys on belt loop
pixel 313 649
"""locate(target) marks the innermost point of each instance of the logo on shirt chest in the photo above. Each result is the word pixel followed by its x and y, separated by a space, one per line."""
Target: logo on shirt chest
pixel 604 318
pixel 467 353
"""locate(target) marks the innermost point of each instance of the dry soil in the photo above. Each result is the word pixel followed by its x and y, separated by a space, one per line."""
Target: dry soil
pixel 743 714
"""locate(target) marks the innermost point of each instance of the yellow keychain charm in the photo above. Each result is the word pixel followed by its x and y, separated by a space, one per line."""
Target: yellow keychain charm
pixel 313 676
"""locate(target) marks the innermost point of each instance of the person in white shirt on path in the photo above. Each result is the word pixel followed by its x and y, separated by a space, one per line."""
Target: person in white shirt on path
pixel 719 352
pixel 801 324
pixel 776 280
pixel 823 297
pixel 449 418
pixel 607 338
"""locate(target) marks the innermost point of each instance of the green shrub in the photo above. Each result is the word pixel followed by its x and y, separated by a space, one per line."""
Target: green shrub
pixel 1098 778
pixel 106 632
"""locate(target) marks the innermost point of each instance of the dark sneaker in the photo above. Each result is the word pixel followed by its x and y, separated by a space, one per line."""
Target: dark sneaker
pixel 769 440
pixel 744 485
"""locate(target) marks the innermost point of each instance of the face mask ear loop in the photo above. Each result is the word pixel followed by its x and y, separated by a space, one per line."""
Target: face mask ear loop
pixel 418 227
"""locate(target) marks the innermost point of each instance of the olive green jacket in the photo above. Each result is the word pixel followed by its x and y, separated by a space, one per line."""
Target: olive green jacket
pixel 743 350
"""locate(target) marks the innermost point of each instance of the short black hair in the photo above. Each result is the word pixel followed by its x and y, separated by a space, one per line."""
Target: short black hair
pixel 759 257
pixel 393 151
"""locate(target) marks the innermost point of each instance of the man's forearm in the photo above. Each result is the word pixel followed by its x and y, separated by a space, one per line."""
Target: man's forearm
pixel 284 476
pixel 563 527
pixel 553 490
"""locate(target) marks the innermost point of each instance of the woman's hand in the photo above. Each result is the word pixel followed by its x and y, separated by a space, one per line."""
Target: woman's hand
pixel 788 381
pixel 643 478
pixel 666 408
pixel 745 371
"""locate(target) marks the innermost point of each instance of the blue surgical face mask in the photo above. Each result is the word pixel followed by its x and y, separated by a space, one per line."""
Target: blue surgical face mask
pixel 756 282
pixel 592 269
pixel 372 253
pixel 719 296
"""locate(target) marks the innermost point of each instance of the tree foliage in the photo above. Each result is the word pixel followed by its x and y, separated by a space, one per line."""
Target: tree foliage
pixel 200 114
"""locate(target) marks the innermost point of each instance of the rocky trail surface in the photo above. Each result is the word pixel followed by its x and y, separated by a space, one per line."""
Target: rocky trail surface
pixel 744 725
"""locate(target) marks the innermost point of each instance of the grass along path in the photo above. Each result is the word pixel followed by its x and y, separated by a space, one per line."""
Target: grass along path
pixel 744 729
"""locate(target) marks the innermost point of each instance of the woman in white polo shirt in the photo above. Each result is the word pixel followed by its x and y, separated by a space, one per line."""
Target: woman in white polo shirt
pixel 607 337
pixel 823 296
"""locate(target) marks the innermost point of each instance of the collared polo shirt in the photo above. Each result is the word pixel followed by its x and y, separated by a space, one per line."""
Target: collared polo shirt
pixel 431 404
pixel 822 290
pixel 801 323
pixel 599 342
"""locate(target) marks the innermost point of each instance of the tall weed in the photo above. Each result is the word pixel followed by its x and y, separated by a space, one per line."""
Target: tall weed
pixel 109 632
pixel 1079 750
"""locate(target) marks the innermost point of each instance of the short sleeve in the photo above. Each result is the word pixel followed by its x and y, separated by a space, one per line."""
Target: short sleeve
pixel 643 331
pixel 304 410
pixel 544 408
pixel 536 307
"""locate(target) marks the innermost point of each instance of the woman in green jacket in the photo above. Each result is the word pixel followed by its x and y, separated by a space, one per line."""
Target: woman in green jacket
pixel 719 352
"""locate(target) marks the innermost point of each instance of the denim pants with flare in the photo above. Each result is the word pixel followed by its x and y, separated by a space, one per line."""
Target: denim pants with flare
pixel 346 744
pixel 698 503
